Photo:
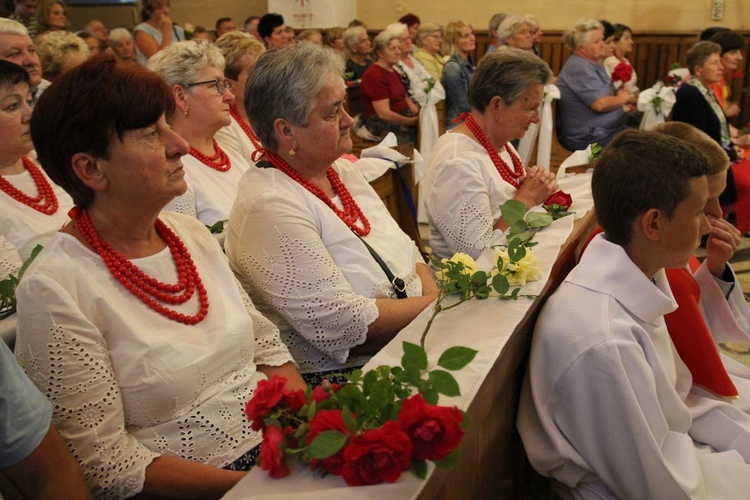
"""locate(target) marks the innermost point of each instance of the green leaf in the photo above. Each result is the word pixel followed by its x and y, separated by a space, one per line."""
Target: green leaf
pixel 368 381
pixel 444 383
pixel 419 468
pixel 466 422
pixel 28 261
pixel 349 421
pixel 218 227
pixel 538 219
pixel 500 284
pixel 431 396
pixel 327 444
pixel 381 394
pixel 448 461
pixel 456 358
pixel 516 250
pixel 414 356
pixel 312 409
pixel 513 211
pixel 518 227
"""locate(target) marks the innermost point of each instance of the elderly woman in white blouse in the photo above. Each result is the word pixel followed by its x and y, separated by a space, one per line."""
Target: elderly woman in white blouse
pixel 194 71
pixel 241 51
pixel 301 230
pixel 474 169
pixel 32 208
pixel 130 321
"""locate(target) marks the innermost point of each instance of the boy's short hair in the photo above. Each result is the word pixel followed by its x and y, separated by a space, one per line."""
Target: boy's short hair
pixel 718 160
pixel 640 170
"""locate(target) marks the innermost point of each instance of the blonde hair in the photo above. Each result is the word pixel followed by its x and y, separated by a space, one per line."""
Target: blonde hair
pixel 578 34
pixel 53 46
pixel 43 11
pixel 451 37
pixel 235 46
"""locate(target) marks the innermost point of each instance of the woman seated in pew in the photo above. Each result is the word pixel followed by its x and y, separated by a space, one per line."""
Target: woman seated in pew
pixel 32 208
pixel 194 71
pixel 357 47
pixel 305 227
pixel 241 51
pixel 131 322
pixel 474 169
pixel 386 105
pixel 589 110
pixel 429 40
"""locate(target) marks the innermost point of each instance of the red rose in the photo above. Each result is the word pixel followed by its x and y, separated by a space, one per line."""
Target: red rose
pixel 623 72
pixel 320 393
pixel 327 420
pixel 435 431
pixel 377 455
pixel 271 454
pixel 561 198
pixel 294 399
pixel 266 396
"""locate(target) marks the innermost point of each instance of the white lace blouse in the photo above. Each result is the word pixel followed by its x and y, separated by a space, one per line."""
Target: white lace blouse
pixel 463 192
pixel 308 271
pixel 25 227
pixel 233 137
pixel 210 193
pixel 127 384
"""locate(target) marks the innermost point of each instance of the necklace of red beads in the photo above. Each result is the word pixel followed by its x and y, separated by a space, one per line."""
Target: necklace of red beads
pixel 245 127
pixel 351 213
pixel 45 201
pixel 510 176
pixel 220 161
pixel 150 291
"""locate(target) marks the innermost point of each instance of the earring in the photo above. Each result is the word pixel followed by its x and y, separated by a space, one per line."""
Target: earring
pixel 186 112
pixel 292 152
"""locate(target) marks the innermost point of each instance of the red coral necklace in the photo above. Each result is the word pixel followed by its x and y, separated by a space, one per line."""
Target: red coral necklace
pixel 220 161
pixel 149 290
pixel 245 126
pixel 351 213
pixel 510 176
pixel 45 201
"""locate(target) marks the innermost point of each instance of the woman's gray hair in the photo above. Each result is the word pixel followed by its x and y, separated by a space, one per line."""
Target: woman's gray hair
pixel 509 26
pixel 118 35
pixel 397 29
pixel 53 46
pixel 506 73
pixel 180 63
pixel 699 53
pixel 351 38
pixel 579 33
pixel 382 40
pixel 425 30
pixel 285 84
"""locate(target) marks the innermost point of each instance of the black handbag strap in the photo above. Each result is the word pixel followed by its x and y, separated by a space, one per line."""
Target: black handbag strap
pixel 398 284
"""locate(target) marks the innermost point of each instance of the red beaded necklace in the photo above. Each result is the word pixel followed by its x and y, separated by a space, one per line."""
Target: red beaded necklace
pixel 150 290
pixel 45 201
pixel 510 176
pixel 222 165
pixel 351 213
pixel 245 127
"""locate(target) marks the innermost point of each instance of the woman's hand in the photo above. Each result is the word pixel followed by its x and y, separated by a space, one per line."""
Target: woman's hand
pixel 165 23
pixel 429 285
pixel 722 243
pixel 733 109
pixel 536 187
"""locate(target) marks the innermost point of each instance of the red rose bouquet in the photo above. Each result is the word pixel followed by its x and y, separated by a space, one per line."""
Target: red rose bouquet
pixel 368 430
pixel 623 72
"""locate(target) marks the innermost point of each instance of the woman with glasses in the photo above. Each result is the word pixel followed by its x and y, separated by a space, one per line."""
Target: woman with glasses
pixel 130 321
pixel 429 39
pixel 299 232
pixel 194 71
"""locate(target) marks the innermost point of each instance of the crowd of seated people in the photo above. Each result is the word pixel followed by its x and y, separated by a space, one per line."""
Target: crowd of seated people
pixel 242 135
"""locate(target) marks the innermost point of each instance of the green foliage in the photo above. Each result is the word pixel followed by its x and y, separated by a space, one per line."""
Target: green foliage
pixel 596 150
pixel 218 227
pixel 8 286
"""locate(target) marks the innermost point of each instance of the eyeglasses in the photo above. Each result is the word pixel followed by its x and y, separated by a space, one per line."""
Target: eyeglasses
pixel 219 84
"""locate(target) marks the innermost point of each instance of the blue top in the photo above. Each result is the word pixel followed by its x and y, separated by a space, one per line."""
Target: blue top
pixel 25 414
pixel 456 77
pixel 581 83
pixel 178 35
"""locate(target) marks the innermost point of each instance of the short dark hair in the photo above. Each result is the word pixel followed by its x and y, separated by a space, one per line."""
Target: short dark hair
pixel 621 29
pixel 221 20
pixel 85 107
pixel 11 74
pixel 729 40
pixel 707 33
pixel 410 19
pixel 609 30
pixel 268 23
pixel 640 170
pixel 718 160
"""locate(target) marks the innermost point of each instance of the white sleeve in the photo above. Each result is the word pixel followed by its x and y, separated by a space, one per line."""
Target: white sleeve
pixel 719 424
pixel 269 349
pixel 728 319
pixel 79 381
pixel 184 204
pixel 280 255
pixel 607 407
pixel 459 207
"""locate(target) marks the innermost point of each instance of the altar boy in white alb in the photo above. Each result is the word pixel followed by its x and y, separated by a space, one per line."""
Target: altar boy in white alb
pixel 606 409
